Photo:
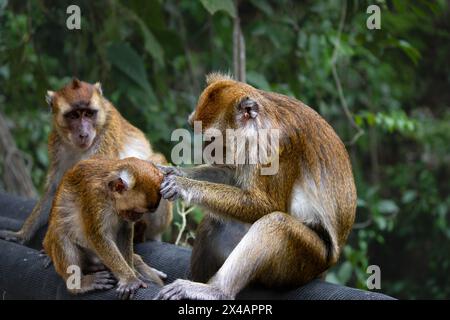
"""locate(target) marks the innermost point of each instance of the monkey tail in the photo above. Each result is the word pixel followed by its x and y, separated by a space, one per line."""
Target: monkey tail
pixel 331 247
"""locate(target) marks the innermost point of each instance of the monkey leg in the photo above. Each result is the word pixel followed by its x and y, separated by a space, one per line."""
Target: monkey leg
pixel 215 240
pixel 146 272
pixel 66 254
pixel 278 250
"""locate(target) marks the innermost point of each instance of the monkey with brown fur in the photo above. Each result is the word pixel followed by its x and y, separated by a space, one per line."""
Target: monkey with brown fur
pixel 91 223
pixel 279 230
pixel 84 124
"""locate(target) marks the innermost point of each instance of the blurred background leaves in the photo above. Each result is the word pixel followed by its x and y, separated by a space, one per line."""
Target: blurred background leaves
pixel 152 56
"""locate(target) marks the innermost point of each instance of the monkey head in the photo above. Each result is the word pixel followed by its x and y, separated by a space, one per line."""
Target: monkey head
pixel 229 104
pixel 79 112
pixel 135 188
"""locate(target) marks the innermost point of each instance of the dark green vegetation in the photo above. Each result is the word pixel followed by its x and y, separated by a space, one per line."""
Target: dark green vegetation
pixel 151 57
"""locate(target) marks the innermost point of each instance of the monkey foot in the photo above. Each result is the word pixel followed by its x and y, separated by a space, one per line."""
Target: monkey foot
pixel 47 261
pixel 95 268
pixel 13 236
pixel 160 274
pixel 103 280
pixel 127 289
pixel 151 275
pixel 188 290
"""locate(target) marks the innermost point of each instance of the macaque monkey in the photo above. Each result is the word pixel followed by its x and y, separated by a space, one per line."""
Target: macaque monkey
pixel 85 124
pixel 279 230
pixel 91 223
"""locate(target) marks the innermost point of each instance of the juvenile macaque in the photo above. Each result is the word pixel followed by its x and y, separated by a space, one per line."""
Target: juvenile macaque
pixel 279 230
pixel 91 223
pixel 85 124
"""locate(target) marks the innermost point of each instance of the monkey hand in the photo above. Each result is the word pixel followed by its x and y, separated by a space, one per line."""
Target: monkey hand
pixel 188 290
pixel 174 187
pixel 127 288
pixel 13 236
pixel 166 170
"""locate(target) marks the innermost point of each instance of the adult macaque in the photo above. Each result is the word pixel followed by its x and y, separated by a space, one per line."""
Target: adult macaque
pixel 91 223
pixel 85 124
pixel 279 230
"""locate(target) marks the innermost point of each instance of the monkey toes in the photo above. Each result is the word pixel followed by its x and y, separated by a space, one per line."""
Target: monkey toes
pixel 13 236
pixel 103 280
pixel 188 290
pixel 127 289
pixel 160 274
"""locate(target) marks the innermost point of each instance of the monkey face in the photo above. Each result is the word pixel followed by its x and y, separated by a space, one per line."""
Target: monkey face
pixel 78 111
pixel 228 104
pixel 81 124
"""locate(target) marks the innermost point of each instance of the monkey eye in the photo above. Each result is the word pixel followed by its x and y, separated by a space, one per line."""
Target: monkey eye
pixel 72 115
pixel 90 113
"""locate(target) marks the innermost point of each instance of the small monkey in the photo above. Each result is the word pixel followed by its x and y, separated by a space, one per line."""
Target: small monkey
pixel 283 229
pixel 85 124
pixel 91 223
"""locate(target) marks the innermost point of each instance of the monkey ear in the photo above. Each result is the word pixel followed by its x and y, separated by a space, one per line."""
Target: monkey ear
pixel 191 118
pixel 217 76
pixel 123 182
pixel 98 86
pixel 118 185
pixel 49 97
pixel 75 83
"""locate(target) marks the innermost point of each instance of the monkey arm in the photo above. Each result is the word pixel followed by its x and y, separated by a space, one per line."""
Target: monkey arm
pixel 110 254
pixel 223 174
pixel 212 173
pixel 230 201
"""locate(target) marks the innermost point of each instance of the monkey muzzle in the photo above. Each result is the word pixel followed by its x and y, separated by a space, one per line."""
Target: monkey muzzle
pixel 249 108
pixel 83 140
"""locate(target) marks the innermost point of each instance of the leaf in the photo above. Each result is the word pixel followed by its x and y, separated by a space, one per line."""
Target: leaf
pixel 331 277
pixel 409 196
pixel 381 222
pixel 212 6
pixel 258 80
pixel 345 272
pixel 387 207
pixel 151 44
pixel 125 58
pixel 264 6
pixel 3 4
pixel 410 51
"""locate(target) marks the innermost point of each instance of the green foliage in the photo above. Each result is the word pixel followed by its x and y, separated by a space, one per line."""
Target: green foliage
pixel 151 57
pixel 216 5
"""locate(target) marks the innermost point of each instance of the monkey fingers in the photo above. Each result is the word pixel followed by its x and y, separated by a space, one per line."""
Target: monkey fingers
pixel 166 170
pixel 127 289
pixel 188 290
pixel 170 189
